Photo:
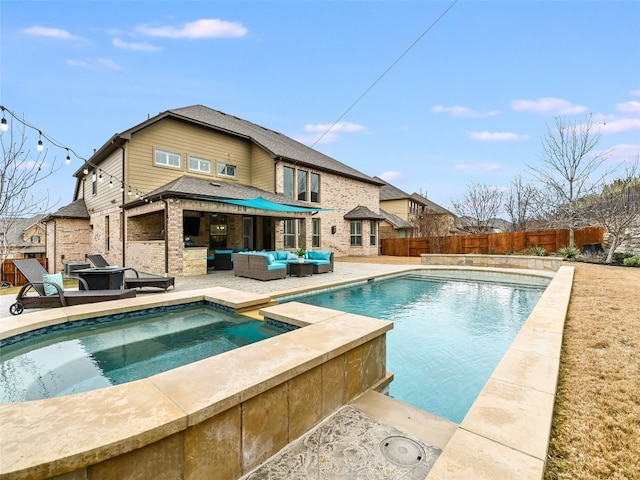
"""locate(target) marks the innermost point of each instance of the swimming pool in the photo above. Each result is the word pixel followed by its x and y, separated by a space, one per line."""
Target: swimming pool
pixel 113 350
pixel 448 335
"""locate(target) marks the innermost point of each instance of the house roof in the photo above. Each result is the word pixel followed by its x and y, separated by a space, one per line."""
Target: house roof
pixel 76 209
pixel 204 189
pixel 362 213
pixel 396 221
pixel 278 145
pixel 434 207
pixel 390 192
pixel 15 228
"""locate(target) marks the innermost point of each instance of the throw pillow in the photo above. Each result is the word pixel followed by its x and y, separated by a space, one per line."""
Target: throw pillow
pixel 53 278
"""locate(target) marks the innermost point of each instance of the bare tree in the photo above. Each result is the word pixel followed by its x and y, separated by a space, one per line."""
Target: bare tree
pixel 20 171
pixel 570 169
pixel 617 207
pixel 480 204
pixel 522 205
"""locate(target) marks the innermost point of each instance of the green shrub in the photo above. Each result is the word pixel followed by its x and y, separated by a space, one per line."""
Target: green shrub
pixel 632 261
pixel 620 256
pixel 569 252
pixel 536 251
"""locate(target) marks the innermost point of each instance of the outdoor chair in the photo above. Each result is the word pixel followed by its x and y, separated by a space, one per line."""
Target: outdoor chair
pixel 139 281
pixel 43 290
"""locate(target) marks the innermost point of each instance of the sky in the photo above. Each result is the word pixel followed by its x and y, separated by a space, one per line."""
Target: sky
pixel 430 96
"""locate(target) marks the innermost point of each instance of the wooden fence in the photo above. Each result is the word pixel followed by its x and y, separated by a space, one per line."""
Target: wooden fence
pixel 491 243
pixel 12 275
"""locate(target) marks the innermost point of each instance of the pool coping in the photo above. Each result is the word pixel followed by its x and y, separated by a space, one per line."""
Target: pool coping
pixel 512 444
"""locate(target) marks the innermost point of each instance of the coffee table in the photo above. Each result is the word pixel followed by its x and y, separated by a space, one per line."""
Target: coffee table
pixel 300 269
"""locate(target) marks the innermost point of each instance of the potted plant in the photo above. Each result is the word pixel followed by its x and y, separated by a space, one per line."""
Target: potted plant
pixel 300 252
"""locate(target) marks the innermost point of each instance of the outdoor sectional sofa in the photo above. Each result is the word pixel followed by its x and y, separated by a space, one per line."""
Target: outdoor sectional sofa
pixel 271 265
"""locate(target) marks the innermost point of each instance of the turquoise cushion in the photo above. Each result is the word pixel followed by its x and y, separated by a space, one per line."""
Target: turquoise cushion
pixel 319 255
pixel 292 256
pixel 276 266
pixel 281 255
pixel 223 251
pixel 53 278
pixel 270 258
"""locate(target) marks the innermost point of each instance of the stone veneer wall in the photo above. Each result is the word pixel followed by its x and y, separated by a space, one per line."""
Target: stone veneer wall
pixel 505 261
pixel 218 418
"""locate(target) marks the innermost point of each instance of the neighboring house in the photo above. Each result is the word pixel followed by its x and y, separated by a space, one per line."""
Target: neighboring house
pixel 493 225
pixel 420 216
pixel 22 237
pixel 68 235
pixel 165 194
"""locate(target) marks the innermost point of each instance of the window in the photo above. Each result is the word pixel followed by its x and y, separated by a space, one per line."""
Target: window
pixel 302 185
pixel 107 233
pixel 315 188
pixel 227 170
pixel 199 165
pixel 372 232
pixel 315 232
pixel 356 233
pixel 168 159
pixel 35 239
pixel 288 182
pixel 289 233
pixel 94 183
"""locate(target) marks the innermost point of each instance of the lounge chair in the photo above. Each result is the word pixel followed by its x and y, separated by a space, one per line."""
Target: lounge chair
pixel 139 281
pixel 45 292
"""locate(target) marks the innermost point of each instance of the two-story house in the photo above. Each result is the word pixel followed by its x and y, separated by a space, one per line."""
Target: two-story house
pixel 166 193
pixel 412 215
pixel 22 237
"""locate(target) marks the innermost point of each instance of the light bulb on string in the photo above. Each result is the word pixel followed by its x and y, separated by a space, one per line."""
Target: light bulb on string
pixel 4 126
pixel 129 192
pixel 100 177
pixel 40 145
pixel 85 170
pixel 111 182
pixel 122 187
pixel 68 160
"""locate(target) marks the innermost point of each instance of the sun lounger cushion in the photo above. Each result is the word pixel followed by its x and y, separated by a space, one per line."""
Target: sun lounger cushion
pixel 52 278
pixel 318 255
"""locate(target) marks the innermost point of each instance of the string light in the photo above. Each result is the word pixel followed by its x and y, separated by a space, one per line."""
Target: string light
pixel 4 126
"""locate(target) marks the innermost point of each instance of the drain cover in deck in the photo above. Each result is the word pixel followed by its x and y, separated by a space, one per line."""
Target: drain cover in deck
pixel 402 451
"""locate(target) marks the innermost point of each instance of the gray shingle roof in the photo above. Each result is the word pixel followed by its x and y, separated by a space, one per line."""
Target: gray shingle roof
pixel 15 228
pixel 389 192
pixel 362 213
pixel 395 220
pixel 76 209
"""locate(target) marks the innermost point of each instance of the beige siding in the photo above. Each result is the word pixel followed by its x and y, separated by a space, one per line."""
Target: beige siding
pixel 106 196
pixel 187 140
pixel 396 207
pixel 262 169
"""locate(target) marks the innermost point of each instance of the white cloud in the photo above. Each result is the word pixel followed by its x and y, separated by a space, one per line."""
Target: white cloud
pixel 497 136
pixel 338 127
pixel 101 62
pixel 203 28
pixel 391 176
pixel 459 111
pixel 629 107
pixel 619 125
pixel 548 105
pixel 138 46
pixel 48 32
pixel 482 167
pixel 635 93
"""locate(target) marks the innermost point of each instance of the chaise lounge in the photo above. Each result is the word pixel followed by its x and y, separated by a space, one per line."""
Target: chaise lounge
pixel 50 293
pixel 138 281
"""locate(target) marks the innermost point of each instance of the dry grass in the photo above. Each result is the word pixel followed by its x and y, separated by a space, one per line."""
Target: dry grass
pixel 596 422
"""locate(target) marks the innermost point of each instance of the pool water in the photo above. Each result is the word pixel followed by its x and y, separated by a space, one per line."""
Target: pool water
pixel 448 336
pixel 111 352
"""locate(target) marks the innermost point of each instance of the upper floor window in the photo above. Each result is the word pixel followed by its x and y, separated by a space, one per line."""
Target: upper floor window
pixel 315 187
pixel 227 170
pixel 288 182
pixel 168 159
pixel 35 239
pixel 94 183
pixel 302 185
pixel 199 165
pixel 356 233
